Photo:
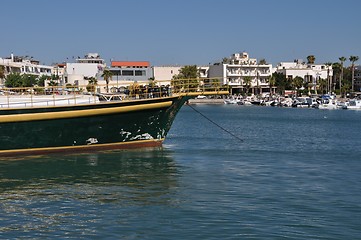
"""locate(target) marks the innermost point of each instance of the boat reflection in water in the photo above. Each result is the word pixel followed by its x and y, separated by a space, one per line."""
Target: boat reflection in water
pixel 139 177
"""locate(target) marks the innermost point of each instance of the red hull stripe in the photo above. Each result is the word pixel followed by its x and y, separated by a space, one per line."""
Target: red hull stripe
pixel 84 148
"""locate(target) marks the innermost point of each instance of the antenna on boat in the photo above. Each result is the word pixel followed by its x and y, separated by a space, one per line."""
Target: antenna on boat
pixel 216 124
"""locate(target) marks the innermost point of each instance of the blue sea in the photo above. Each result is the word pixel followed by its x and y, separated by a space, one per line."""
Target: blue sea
pixel 224 172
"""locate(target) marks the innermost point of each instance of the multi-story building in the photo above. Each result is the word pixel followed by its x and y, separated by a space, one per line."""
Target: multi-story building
pixel 23 65
pixel 130 70
pixel 357 81
pixel 78 73
pixel 310 73
pixel 124 72
pixel 243 74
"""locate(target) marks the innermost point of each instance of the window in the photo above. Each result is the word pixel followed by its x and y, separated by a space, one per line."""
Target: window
pixel 128 73
pixel 139 73
pixel 115 72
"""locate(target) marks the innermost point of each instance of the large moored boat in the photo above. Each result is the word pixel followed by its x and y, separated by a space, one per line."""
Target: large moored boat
pixel 33 123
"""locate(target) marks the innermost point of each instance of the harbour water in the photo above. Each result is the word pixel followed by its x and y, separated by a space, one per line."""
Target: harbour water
pixel 288 174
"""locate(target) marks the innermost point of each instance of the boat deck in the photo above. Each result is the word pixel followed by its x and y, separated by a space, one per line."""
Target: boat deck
pixel 50 97
pixel 27 101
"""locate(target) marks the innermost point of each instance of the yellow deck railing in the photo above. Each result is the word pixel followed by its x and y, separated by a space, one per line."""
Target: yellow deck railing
pixel 121 90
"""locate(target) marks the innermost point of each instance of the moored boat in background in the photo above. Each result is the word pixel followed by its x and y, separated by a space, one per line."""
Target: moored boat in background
pixel 328 104
pixel 354 104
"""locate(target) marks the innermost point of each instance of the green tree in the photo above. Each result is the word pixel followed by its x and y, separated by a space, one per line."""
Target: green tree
pixel 13 80
pixel 329 83
pixel 336 67
pixel 247 83
pixel 152 83
pixel 311 59
pixel 107 75
pixel 52 84
pixel 353 59
pixel 342 60
pixel 92 82
pixel 225 60
pixel 28 80
pixel 134 88
pixel 262 61
pixel 188 78
pixel 297 83
pixel 2 72
pixel 17 80
pixel 281 82
pixel 345 87
pixel 271 82
pixel 323 85
pixel 42 79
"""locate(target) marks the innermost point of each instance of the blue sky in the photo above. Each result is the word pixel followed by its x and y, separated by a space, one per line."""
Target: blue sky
pixel 183 32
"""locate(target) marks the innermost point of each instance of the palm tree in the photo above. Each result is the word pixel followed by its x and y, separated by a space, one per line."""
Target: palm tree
pixel 311 59
pixel 152 83
pixel 2 72
pixel 262 61
pixel 297 83
pixel 271 82
pixel 225 60
pixel 342 60
pixel 92 82
pixel 329 85
pixel 134 88
pixel 247 82
pixel 323 84
pixel 345 88
pixel 107 75
pixel 353 59
pixel 336 68
pixel 52 84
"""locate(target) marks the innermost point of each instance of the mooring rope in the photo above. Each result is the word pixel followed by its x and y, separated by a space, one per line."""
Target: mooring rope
pixel 216 124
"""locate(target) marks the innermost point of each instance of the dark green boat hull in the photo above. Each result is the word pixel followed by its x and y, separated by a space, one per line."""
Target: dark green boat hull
pixel 137 123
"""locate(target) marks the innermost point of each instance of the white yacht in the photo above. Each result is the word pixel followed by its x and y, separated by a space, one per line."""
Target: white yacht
pixel 329 104
pixel 354 104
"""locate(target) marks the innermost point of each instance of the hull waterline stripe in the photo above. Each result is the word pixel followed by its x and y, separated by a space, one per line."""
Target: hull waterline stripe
pixel 79 113
pixel 83 148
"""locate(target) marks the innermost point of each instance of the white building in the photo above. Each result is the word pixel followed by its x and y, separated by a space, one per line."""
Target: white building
pixel 24 65
pixel 310 73
pixel 240 68
pixel 164 74
pixel 357 80
pixel 89 66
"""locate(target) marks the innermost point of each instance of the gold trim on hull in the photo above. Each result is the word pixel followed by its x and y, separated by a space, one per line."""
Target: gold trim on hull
pixel 84 148
pixel 80 113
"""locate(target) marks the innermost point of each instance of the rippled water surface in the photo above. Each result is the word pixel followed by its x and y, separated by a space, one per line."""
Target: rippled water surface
pixel 289 174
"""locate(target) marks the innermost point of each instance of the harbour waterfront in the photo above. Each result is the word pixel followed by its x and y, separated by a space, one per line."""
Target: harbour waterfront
pixel 291 174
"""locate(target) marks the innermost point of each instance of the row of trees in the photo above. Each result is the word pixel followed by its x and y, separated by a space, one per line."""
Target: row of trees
pixel 343 79
pixel 17 80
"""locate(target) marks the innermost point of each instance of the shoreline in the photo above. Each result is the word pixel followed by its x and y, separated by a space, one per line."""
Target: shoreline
pixel 206 101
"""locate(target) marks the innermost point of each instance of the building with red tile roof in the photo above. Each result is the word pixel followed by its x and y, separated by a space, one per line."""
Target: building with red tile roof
pixel 130 64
